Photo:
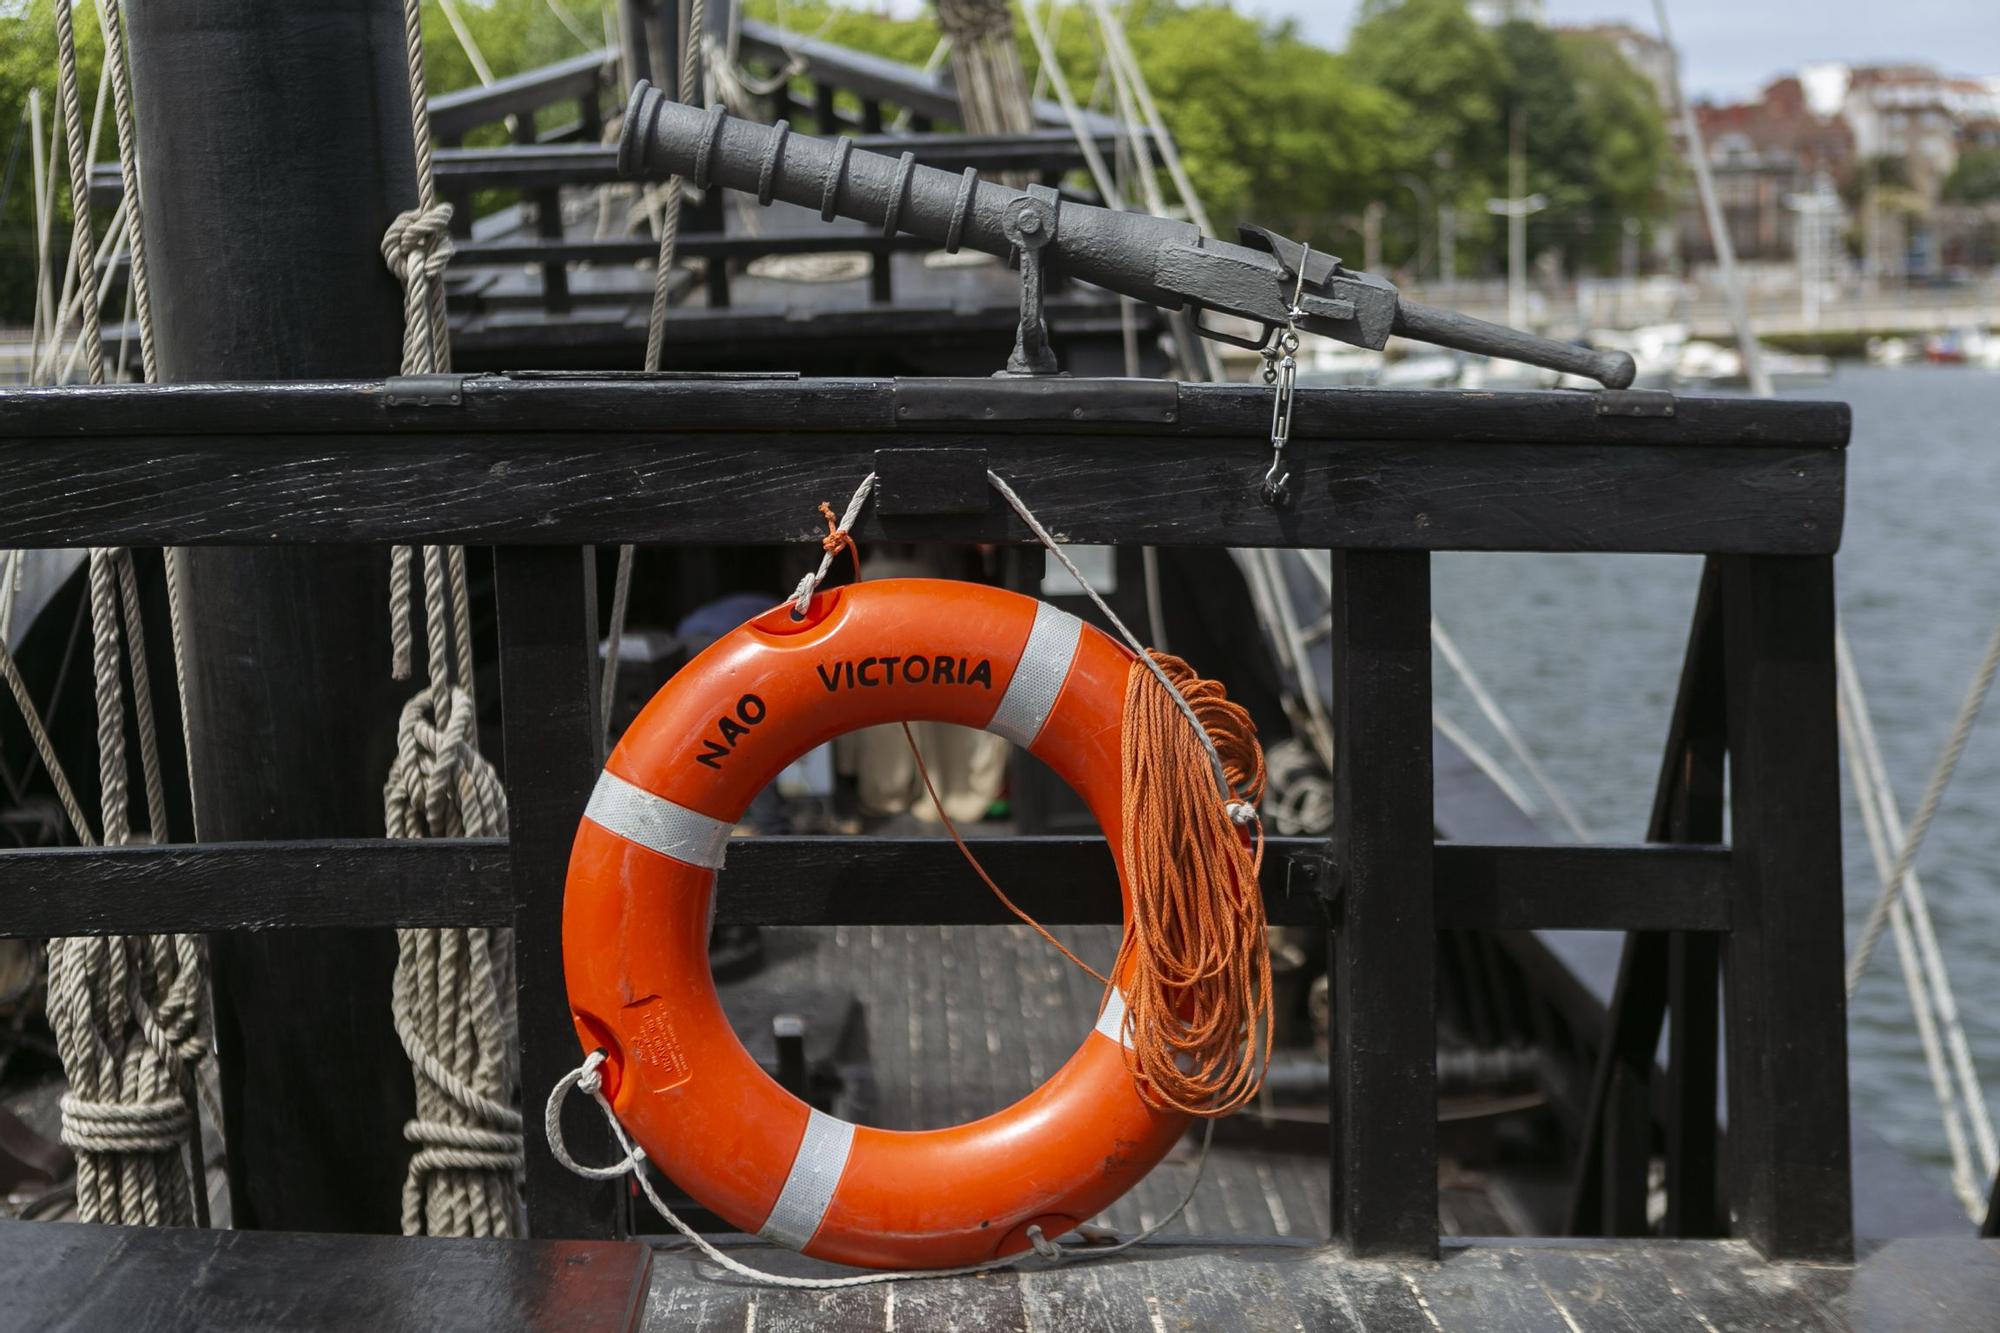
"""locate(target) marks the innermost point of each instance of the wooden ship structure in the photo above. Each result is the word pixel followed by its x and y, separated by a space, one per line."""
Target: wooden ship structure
pixel 1536 1085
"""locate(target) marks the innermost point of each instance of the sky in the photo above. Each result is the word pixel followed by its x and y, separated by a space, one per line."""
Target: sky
pixel 1731 48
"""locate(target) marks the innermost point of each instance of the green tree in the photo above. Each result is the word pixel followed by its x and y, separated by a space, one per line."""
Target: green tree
pixel 1632 166
pixel 1976 178
pixel 1273 129
pixel 28 61
pixel 1451 75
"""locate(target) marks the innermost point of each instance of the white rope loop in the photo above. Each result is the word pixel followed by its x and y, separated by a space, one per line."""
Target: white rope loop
pixel 586 1078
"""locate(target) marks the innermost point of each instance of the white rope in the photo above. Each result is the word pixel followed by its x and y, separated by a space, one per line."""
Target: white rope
pixel 1490 708
pixel 587 1080
pixel 1962 1170
pixel 668 223
pixel 38 733
pixel 128 1012
pixel 452 999
pixel 82 244
pixel 801 597
pixel 1927 807
pixel 1933 1003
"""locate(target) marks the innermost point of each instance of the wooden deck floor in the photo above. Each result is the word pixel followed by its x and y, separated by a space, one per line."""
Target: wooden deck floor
pixel 964 1020
pixel 1197 1287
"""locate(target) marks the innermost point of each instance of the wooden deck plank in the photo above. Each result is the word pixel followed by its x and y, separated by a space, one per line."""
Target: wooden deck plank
pixel 1727 1284
pixel 1485 1289
pixel 61 1276
pixel 1717 1286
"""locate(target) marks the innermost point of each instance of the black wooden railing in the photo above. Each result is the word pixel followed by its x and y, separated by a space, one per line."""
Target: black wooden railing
pixel 538 467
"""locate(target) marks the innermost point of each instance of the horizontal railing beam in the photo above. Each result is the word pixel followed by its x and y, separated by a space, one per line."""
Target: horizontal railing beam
pixel 795 881
pixel 735 460
pixel 200 888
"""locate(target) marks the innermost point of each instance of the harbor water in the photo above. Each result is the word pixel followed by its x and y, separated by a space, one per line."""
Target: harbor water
pixel 1584 652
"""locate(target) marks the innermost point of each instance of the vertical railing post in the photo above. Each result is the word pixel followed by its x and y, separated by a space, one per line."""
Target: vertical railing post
pixel 552 746
pixel 1785 1000
pixel 1659 971
pixel 1383 1042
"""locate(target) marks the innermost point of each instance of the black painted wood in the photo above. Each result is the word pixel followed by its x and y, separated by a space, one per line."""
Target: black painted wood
pixel 455 114
pixel 1383 1104
pixel 559 458
pixel 1689 808
pixel 609 402
pixel 1611 1181
pixel 805 881
pixel 1786 1021
pixel 253 886
pixel 553 746
pixel 259 275
pixel 91 1278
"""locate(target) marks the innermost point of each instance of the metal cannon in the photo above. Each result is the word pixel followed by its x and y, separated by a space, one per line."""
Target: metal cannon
pixel 1273 282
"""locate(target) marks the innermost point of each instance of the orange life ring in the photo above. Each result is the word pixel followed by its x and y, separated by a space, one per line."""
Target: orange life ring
pixel 639 901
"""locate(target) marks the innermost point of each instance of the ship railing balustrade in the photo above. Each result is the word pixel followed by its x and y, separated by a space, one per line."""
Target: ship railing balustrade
pixel 540 467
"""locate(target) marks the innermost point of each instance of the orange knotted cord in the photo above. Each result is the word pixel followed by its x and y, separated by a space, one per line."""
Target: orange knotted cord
pixel 1201 979
pixel 838 539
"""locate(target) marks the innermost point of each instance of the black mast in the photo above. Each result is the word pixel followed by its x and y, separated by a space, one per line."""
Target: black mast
pixel 275 148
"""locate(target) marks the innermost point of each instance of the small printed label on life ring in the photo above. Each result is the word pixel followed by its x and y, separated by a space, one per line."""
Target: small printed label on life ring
pixel 656 1046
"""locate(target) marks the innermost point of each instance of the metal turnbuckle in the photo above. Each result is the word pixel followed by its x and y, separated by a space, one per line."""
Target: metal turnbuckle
pixel 1281 369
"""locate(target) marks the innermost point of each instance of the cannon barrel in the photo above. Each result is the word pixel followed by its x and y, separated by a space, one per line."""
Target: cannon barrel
pixel 1160 261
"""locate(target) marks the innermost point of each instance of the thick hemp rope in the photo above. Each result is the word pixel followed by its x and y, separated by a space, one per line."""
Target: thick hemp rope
pixel 128 1012
pixel 452 1000
pixel 453 993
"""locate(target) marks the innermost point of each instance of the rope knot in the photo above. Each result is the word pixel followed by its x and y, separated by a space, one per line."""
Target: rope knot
pixel 125 1127
pixel 418 241
pixel 837 538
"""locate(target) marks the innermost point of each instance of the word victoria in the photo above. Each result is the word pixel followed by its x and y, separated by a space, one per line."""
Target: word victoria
pixel 916 670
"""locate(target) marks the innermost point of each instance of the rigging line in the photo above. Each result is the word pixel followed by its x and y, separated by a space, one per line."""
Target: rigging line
pixel 82 243
pixel 1913 896
pixel 43 181
pixel 10 671
pixel 1483 760
pixel 1718 230
pixel 689 89
pixel 568 20
pixel 1761 386
pixel 1941 775
pixel 1496 715
pixel 1879 840
pixel 1107 186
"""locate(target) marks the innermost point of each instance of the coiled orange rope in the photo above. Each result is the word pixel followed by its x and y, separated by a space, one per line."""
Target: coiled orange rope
pixel 1199 1004
pixel 1199 1000
pixel 1199 1007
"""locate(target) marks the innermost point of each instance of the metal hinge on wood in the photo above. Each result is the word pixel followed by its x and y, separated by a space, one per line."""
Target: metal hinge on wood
pixel 1634 403
pixel 1037 398
pixel 429 390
